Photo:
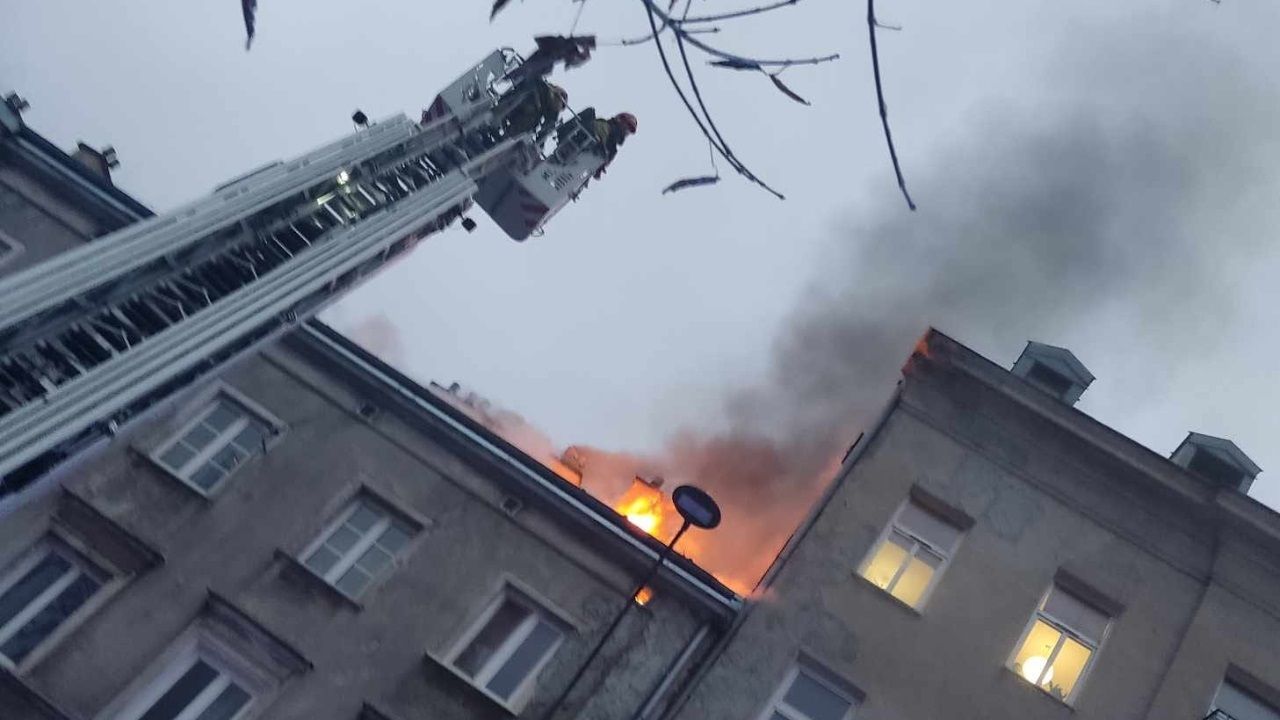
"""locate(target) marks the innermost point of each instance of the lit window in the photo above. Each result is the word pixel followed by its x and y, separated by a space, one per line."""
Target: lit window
pixel 911 555
pixel 1235 703
pixel 221 438
pixel 39 593
pixel 509 646
pixel 1058 646
pixel 358 547
pixel 196 691
pixel 806 695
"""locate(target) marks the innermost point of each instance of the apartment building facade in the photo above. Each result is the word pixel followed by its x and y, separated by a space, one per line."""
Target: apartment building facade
pixel 314 536
pixel 988 551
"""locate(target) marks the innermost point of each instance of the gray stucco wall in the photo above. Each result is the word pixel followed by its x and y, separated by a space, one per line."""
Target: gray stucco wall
pixel 240 544
pixel 1041 502
pixel 40 223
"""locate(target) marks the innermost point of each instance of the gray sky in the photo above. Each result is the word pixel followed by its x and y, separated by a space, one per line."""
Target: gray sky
pixel 638 314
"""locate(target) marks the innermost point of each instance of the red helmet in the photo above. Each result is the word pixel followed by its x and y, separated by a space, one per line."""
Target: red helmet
pixel 628 121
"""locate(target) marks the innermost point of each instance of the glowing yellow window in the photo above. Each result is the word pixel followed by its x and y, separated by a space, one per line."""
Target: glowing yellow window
pixel 910 556
pixel 1059 645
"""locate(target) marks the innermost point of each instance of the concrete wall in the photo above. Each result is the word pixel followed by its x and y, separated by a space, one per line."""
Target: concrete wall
pixel 240 544
pixel 1042 502
pixel 41 223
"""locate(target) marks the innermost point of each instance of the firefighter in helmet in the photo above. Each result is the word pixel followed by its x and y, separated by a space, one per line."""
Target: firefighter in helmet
pixel 538 112
pixel 611 134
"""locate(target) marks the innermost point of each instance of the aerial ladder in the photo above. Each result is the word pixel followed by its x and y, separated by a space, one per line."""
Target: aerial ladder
pixel 96 335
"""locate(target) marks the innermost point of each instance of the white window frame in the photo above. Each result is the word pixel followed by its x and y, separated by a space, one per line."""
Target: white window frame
pixel 524 689
pixel 1095 646
pixel 249 410
pixel 11 248
pixel 819 675
pixel 366 541
pixel 917 543
pixel 196 644
pixel 25 563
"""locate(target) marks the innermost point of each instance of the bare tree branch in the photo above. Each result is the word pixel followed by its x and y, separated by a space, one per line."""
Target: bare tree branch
pixel 685 35
pixel 628 42
pixel 728 154
pixel 884 112
pixel 740 13
pixel 719 148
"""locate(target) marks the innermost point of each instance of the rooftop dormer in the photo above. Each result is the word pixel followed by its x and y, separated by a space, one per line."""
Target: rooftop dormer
pixel 1053 370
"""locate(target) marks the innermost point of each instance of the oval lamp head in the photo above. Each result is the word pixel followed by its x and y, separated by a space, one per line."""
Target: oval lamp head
pixel 696 507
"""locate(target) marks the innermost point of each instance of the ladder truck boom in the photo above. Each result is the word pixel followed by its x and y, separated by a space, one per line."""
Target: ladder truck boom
pixel 96 335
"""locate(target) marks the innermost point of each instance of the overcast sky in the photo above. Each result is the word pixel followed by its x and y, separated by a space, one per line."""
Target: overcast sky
pixel 638 314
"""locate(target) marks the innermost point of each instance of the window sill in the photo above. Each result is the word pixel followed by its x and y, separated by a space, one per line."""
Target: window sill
pixel 205 495
pixel 294 567
pixel 1022 682
pixel 440 665
pixel 886 595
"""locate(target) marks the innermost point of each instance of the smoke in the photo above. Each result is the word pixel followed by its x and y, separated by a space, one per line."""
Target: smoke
pixel 377 334
pixel 1119 205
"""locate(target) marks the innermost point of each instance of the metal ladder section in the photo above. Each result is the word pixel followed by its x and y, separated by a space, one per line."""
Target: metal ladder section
pixel 98 334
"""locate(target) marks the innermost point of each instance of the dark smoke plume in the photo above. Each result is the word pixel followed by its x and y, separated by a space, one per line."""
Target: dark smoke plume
pixel 1117 209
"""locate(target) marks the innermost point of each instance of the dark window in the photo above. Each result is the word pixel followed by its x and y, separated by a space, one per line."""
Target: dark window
pixel 39 594
pixel 1212 467
pixel 1049 380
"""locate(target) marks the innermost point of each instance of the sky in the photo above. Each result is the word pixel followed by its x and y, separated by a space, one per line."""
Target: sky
pixel 1091 174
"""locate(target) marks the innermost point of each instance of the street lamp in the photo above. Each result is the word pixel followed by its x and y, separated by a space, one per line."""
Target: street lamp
pixel 696 509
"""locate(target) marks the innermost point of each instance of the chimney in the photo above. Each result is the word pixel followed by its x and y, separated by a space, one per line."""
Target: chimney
pixel 98 162
pixel 1053 370
pixel 1217 460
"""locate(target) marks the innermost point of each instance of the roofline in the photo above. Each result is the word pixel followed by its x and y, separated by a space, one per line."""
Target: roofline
pixel 1151 465
pixel 578 503
pixel 110 200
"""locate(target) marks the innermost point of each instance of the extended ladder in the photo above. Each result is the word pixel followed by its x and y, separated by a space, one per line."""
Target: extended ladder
pixel 96 335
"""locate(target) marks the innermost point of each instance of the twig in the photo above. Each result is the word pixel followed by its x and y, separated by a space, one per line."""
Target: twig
pixel 666 66
pixel 729 155
pixel 740 13
pixel 582 5
pixel 628 42
pixel 677 29
pixel 884 112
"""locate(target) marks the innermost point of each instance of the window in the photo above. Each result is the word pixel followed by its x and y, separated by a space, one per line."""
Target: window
pixel 1059 645
pixel 224 436
pixel 910 556
pixel 39 593
pixel 1049 380
pixel 807 695
pixel 196 691
pixel 1235 703
pixel 509 646
pixel 358 546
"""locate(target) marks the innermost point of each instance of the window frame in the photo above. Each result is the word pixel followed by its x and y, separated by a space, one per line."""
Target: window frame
pixel 820 675
pixel 1066 631
pixel 18 566
pixel 893 526
pixel 389 517
pixel 538 610
pixel 197 644
pixel 221 392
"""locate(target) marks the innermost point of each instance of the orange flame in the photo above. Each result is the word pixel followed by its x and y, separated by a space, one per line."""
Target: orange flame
pixel 643 506
pixel 644 513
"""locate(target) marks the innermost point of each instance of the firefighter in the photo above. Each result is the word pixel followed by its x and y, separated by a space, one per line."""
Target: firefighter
pixel 538 111
pixel 611 134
